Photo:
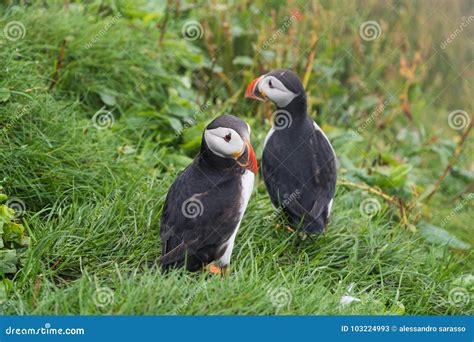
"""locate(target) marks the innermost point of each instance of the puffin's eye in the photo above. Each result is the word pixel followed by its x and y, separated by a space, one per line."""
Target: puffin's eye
pixel 228 137
pixel 270 84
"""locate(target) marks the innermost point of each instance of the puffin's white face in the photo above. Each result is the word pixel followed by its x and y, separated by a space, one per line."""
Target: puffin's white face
pixel 273 89
pixel 224 142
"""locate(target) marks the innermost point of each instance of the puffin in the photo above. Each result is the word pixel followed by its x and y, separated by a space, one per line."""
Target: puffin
pixel 206 203
pixel 298 163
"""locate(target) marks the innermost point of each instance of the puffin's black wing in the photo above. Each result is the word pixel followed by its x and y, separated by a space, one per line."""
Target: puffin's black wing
pixel 199 215
pixel 300 175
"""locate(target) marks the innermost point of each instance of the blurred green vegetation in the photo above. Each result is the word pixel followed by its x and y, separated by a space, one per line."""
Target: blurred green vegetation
pixel 102 103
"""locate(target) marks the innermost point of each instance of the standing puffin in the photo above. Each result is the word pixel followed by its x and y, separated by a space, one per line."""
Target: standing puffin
pixel 299 163
pixel 206 203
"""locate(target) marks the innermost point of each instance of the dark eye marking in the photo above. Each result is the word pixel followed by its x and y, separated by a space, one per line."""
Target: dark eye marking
pixel 228 137
pixel 270 84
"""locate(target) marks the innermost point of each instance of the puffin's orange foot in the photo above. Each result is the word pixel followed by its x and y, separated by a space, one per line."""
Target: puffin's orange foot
pixel 291 230
pixel 223 271
pixel 215 269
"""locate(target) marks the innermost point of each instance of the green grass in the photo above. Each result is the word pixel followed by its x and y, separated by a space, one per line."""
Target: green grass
pixel 94 197
pixel 110 242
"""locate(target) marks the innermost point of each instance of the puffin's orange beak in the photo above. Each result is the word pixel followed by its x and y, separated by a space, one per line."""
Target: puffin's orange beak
pixel 252 91
pixel 251 163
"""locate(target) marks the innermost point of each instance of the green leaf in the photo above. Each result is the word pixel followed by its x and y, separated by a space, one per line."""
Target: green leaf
pixel 465 175
pixel 6 213
pixel 242 60
pixel 8 261
pixel 387 177
pixel 175 124
pixel 177 160
pixel 3 292
pixel 399 174
pixel 191 146
pixel 4 94
pixel 369 102
pixel 268 55
pixel 13 232
pixel 183 109
pixel 107 98
pixel 439 236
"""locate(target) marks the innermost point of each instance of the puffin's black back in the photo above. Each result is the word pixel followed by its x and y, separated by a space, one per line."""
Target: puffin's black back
pixel 202 207
pixel 298 164
pixel 299 170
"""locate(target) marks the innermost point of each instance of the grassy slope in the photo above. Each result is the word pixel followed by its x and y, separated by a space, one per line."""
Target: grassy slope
pixel 93 212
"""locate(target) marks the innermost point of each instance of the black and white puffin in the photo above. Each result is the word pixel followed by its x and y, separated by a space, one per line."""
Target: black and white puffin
pixel 206 203
pixel 299 163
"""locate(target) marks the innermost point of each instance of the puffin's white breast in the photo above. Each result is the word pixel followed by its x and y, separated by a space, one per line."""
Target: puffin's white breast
pixel 247 180
pixel 316 126
pixel 269 134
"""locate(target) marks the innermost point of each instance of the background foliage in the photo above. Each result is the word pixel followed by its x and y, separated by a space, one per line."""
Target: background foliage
pixel 102 103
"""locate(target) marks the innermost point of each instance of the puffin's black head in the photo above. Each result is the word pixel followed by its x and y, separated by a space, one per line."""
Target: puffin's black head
pixel 226 140
pixel 280 86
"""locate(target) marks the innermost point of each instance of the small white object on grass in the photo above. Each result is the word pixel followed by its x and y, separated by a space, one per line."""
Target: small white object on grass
pixel 346 300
